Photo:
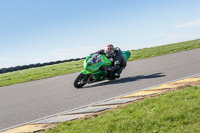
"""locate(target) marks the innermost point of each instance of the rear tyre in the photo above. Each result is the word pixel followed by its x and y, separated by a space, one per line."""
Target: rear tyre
pixel 80 81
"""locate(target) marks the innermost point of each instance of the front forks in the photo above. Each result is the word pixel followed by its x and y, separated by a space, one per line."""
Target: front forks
pixel 88 78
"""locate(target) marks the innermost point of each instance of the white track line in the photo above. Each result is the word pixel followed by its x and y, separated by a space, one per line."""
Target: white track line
pixel 94 103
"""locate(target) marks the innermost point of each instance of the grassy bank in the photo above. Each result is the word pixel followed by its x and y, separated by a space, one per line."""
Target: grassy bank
pixel 75 66
pixel 40 73
pixel 164 49
pixel 171 112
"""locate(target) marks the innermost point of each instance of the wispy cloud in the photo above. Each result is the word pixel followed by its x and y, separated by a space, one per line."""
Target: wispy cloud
pixel 11 62
pixel 193 23
pixel 75 52
pixel 57 54
pixel 168 38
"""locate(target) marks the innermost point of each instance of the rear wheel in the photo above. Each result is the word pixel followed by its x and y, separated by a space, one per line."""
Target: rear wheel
pixel 80 81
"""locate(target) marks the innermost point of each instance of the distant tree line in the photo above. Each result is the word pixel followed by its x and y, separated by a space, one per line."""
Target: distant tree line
pixel 23 67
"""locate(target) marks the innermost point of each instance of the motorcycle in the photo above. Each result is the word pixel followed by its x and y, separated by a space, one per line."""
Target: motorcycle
pixel 92 72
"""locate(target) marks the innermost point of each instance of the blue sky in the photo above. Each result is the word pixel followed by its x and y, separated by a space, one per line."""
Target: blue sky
pixel 33 31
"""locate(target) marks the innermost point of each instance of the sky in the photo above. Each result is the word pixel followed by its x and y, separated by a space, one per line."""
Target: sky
pixel 38 31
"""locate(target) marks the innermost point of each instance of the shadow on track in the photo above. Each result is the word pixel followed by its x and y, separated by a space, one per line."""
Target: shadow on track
pixel 127 79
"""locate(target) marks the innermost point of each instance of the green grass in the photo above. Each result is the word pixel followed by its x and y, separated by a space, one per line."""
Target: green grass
pixel 76 66
pixel 177 112
pixel 40 73
pixel 164 49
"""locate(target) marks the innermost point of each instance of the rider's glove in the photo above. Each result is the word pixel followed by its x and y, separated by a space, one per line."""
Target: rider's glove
pixel 101 51
pixel 91 54
pixel 105 68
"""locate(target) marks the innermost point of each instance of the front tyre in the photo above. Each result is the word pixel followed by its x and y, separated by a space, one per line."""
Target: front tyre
pixel 80 81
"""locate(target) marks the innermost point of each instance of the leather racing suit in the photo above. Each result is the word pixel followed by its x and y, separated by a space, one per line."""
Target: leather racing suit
pixel 118 62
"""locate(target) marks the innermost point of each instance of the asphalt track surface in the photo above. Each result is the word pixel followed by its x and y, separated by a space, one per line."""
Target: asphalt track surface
pixel 29 101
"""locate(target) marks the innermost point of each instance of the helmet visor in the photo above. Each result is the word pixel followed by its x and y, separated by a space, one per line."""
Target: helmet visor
pixel 110 53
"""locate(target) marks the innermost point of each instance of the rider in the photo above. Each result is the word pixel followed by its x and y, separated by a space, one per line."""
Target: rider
pixel 117 58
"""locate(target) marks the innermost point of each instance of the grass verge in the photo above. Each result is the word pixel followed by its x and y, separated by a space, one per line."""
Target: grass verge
pixel 40 73
pixel 76 66
pixel 164 49
pixel 171 112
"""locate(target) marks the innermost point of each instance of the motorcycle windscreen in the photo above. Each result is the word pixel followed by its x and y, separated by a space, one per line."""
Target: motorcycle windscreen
pixel 95 59
pixel 94 63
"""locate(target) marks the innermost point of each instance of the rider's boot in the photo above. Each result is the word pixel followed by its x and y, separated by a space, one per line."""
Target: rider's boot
pixel 117 75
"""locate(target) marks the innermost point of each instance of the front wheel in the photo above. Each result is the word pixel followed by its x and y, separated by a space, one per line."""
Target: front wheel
pixel 80 81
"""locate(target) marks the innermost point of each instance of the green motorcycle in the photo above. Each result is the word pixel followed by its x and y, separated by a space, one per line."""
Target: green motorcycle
pixel 91 72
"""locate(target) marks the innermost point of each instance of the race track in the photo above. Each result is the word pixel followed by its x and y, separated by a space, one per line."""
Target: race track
pixel 33 100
